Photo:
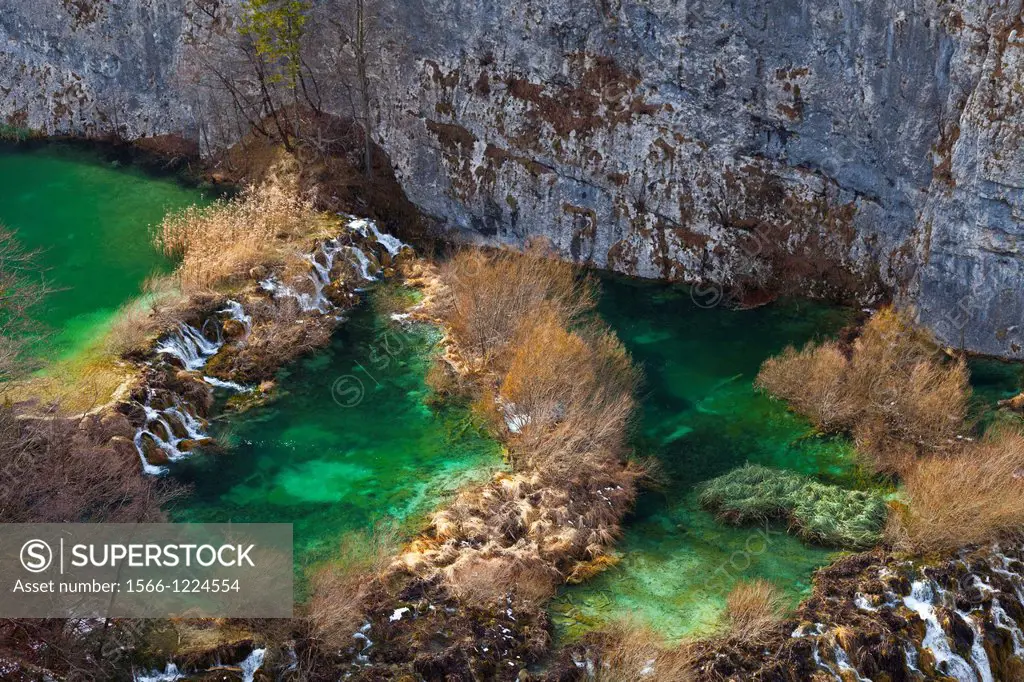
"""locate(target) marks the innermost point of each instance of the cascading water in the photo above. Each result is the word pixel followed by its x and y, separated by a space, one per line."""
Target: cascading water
pixel 236 312
pixel 319 278
pixel 190 346
pixel 922 600
pixel 389 242
pixel 167 439
pixel 229 385
pixel 979 657
pixel 1003 621
pixel 171 673
pixel 363 261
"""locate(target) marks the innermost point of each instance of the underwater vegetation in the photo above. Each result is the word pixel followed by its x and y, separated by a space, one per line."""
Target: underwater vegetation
pixel 816 512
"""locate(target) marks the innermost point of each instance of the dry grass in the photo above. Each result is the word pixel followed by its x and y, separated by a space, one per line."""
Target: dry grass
pixel 974 496
pixel 483 580
pixel 896 392
pixel 753 610
pixel 340 590
pixel 492 295
pixel 220 243
pixel 636 654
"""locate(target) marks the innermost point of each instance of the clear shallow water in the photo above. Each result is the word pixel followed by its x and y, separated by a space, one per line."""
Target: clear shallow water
pixel 91 220
pixel 331 463
pixel 701 417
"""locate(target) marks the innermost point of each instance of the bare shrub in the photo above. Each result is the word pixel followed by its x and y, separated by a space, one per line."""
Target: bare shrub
pixel 896 393
pixel 569 394
pixel 340 589
pixel 491 295
pixel 279 334
pixel 59 470
pixel 23 289
pixel 752 611
pixel 630 653
pixel 974 496
pixel 811 380
pixel 220 243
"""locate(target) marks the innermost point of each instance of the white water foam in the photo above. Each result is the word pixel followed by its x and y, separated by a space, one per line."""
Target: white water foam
pixel 168 674
pixel 236 312
pixel 921 600
pixel 189 346
pixel 192 426
pixel 229 385
pixel 391 243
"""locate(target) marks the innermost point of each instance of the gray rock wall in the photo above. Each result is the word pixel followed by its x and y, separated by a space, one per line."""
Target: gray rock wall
pixel 829 146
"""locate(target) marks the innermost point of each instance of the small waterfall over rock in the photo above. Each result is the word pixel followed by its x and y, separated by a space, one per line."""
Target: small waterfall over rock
pixel 171 673
pixel 169 433
pixel 960 619
pixel 236 312
pixel 229 385
pixel 368 228
pixel 190 346
pixel 321 262
pixel 923 601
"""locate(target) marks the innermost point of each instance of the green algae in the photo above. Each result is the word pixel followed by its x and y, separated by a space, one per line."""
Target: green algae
pixel 816 512
pixel 332 464
pixel 90 221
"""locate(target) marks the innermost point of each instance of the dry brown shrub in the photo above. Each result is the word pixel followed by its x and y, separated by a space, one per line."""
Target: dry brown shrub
pixel 279 334
pixel 220 243
pixel 636 654
pixel 340 590
pixel 811 380
pixel 897 394
pixel 974 496
pixel 752 611
pixel 572 391
pixel 491 295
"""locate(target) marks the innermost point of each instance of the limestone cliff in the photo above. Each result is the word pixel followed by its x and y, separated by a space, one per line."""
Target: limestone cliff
pixel 821 145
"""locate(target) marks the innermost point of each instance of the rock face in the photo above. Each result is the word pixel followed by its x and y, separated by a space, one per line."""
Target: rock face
pixel 828 146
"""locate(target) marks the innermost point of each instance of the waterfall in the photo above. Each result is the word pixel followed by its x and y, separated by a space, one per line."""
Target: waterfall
pixel 251 664
pixel 362 635
pixel 319 277
pixel 229 385
pixel 178 413
pixel 979 657
pixel 1003 621
pixel 921 601
pixel 236 312
pixel 169 674
pixel 189 346
pixel 1004 570
pixel 389 242
pixel 364 263
pixel 843 661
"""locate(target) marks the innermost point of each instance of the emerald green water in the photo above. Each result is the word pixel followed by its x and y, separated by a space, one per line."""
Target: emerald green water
pixel 330 463
pixel 90 219
pixel 701 417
